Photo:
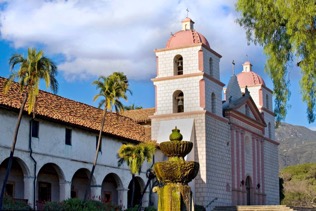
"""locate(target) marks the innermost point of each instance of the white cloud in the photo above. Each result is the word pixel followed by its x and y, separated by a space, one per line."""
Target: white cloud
pixel 102 36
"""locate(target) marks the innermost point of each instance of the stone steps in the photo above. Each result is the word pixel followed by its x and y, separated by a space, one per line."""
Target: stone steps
pixel 254 208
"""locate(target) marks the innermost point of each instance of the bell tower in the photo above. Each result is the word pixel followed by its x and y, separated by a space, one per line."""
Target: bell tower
pixel 188 78
pixel 261 95
pixel 188 94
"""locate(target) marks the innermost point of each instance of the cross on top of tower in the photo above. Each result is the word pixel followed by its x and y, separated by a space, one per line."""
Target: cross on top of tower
pixel 233 66
pixel 187 12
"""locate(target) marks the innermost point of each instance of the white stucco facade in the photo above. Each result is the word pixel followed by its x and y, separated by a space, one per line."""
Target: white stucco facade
pixel 65 167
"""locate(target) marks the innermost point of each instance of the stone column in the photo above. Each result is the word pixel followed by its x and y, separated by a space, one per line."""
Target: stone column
pixel 238 167
pixel 243 167
pixel 65 190
pixel 122 197
pixel 233 167
pixel 29 192
pixel 96 192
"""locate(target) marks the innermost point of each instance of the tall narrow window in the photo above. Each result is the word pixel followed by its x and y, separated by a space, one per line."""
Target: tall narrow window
pixel 96 143
pixel 267 101
pixel 68 136
pixel 35 128
pixel 178 102
pixel 178 65
pixel 213 103
pixel 269 130
pixel 211 67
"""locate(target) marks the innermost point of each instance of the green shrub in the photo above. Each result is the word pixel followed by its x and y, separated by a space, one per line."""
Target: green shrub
pixel 11 204
pixel 52 206
pixel 132 208
pixel 89 205
pixel 73 204
pixel 92 205
pixel 151 208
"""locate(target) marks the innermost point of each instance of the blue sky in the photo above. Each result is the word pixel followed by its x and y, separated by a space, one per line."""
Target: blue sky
pixel 89 38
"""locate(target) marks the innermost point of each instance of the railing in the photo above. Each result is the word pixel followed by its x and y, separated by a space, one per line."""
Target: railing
pixel 211 202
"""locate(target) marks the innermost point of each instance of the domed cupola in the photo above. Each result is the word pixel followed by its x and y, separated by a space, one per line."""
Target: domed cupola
pixel 187 36
pixel 249 78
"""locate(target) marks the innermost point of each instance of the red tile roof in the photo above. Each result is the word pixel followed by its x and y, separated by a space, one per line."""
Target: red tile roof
pixel 139 115
pixel 71 112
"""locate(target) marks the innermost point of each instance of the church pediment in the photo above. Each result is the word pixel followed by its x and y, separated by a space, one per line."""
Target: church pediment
pixel 245 107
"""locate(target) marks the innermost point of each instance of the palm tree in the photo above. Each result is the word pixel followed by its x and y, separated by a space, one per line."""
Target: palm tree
pixel 111 88
pixel 134 156
pixel 132 107
pixel 31 70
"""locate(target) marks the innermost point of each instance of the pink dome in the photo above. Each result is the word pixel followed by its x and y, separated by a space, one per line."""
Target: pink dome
pixel 186 38
pixel 249 78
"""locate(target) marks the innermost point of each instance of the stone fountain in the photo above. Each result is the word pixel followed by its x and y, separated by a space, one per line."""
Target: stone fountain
pixel 174 193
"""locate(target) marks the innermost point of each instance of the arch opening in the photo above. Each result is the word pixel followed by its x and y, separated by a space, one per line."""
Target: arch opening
pixel 110 186
pixel 79 183
pixel 136 185
pixel 178 102
pixel 178 65
pixel 15 185
pixel 48 183
pixel 249 190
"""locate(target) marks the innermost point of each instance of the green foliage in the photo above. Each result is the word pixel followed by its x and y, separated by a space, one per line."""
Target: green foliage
pixel 151 208
pixel 73 204
pixel 135 155
pixel 299 172
pixel 31 70
pixel 52 205
pixel 132 107
pixel 80 205
pixel 89 205
pixel 112 88
pixel 299 185
pixel 11 204
pixel 286 29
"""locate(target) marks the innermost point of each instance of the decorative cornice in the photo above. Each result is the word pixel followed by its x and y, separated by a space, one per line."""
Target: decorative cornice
pixel 189 46
pixel 190 75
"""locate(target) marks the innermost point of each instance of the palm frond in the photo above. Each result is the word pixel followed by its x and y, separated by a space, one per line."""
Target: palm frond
pixel 31 70
pixel 135 155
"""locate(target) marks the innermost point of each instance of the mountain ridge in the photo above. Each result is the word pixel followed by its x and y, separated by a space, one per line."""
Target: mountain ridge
pixel 297 145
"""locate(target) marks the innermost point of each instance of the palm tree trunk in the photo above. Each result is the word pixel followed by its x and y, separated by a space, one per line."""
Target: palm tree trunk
pixel 12 150
pixel 96 155
pixel 133 189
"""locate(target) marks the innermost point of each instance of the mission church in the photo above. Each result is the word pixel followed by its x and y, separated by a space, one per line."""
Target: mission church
pixel 233 138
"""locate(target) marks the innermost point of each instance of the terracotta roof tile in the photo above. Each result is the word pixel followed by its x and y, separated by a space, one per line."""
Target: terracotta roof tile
pixel 139 115
pixel 75 113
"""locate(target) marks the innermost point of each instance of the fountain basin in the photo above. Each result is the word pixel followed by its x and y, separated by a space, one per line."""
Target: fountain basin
pixel 176 148
pixel 176 171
